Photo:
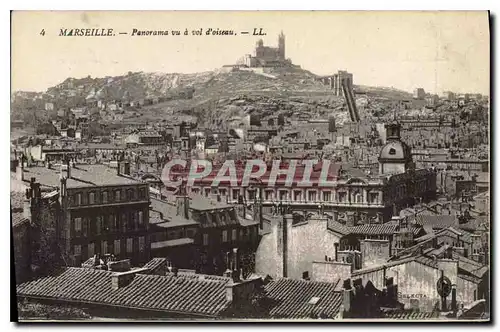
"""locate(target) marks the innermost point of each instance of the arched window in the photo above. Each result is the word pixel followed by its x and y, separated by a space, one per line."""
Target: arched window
pixel 392 151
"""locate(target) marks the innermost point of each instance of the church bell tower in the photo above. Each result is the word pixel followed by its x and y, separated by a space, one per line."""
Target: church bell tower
pixel 281 45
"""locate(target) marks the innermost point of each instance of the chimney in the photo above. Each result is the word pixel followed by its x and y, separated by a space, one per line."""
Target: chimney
pixel 119 266
pixel 68 169
pixel 175 271
pixel 122 279
pixel 347 298
pixel 242 291
pixel 454 308
pixel 183 206
pixel 336 251
pixel 27 208
pixel 236 262
pixel 20 169
pixel 287 226
pixel 123 168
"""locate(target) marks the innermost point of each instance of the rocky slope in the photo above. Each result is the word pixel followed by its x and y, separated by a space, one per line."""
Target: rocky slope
pixel 219 95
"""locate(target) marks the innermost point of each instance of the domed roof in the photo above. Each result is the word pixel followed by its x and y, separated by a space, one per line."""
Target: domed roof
pixel 395 150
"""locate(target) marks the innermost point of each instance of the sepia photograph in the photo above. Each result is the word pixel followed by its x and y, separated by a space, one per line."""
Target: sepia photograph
pixel 250 166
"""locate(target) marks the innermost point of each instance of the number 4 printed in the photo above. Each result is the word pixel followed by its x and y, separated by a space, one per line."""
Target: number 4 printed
pixel 42 33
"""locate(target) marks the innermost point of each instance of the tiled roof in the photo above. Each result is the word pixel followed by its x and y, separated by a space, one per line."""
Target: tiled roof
pixel 294 299
pixel 18 218
pixel 438 221
pixel 206 277
pixel 427 261
pixel 154 263
pixel 469 277
pixel 169 212
pixel 382 266
pixel 337 227
pixel 153 292
pixel 248 222
pixel 17 199
pixel 373 229
pixel 81 176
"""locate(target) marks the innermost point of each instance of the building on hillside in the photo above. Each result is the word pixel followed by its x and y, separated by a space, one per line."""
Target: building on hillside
pixel 265 56
pixel 418 93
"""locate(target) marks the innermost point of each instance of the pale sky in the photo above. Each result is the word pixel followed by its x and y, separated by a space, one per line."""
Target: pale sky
pixel 434 50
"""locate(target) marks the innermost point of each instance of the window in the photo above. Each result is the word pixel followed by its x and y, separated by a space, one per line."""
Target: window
pixel 132 221
pixel 358 198
pixel 392 151
pixel 112 222
pixel 124 222
pixel 117 247
pixel 342 197
pixel 373 198
pixel 78 199
pixel 104 196
pixel 130 245
pixel 207 191
pixel 104 247
pixel 327 196
pixel 78 224
pixel 224 236
pixel 251 194
pixel 91 249
pixel 311 196
pixel 305 275
pixel 142 244
pixel 236 193
pixel 190 233
pixel 269 194
pixel 98 225
pixel 91 198
pixel 77 249
pixel 85 226
pixel 140 217
pixel 233 235
pixel 130 195
pixel 223 192
pixel 297 195
pixel 205 239
pixel 117 195
pixel 283 195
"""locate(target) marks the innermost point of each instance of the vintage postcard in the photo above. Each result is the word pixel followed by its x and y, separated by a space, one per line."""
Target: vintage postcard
pixel 179 166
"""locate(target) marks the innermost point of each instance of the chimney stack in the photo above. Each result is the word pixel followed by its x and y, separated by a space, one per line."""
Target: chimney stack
pixel 348 297
pixel 68 169
pixel 183 206
pixel 122 279
pixel 454 308
pixel 20 169
pixel 236 263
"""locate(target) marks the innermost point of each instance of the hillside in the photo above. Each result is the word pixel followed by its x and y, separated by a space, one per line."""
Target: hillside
pixel 218 95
